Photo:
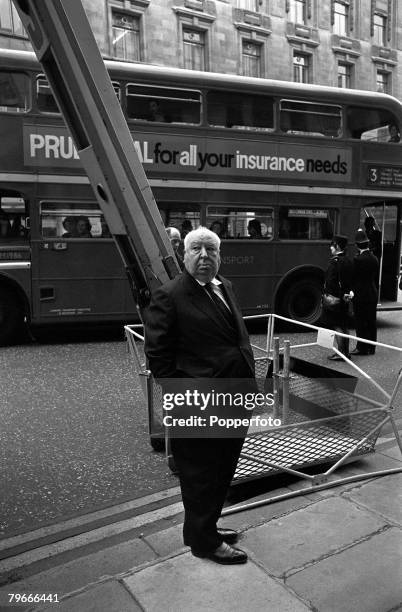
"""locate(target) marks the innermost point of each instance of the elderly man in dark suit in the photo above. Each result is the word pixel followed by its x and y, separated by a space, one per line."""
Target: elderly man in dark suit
pixel 365 289
pixel 194 329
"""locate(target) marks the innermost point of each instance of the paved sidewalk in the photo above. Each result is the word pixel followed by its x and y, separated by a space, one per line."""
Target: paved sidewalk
pixel 334 550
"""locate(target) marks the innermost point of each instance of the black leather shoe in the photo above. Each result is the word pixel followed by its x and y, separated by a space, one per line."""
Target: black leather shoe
pixel 357 352
pixel 228 535
pixel 335 357
pixel 224 554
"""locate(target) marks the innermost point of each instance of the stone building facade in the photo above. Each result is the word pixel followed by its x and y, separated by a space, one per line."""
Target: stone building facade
pixel 341 43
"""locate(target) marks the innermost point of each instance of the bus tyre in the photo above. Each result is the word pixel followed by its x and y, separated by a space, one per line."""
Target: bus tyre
pixel 11 315
pixel 301 300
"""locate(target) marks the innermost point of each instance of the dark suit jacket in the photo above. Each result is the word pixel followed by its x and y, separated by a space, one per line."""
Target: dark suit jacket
pixel 186 336
pixel 365 277
pixel 338 277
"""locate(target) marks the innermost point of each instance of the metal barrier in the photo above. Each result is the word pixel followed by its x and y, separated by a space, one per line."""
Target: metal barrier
pixel 323 420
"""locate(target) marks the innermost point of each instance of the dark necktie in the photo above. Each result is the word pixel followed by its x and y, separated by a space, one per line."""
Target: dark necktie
pixel 227 314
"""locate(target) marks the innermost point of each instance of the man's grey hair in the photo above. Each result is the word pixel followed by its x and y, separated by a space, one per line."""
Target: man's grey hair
pixel 199 233
pixel 173 232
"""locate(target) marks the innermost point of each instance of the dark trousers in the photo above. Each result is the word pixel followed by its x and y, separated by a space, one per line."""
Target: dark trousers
pixel 366 324
pixel 206 468
pixel 337 319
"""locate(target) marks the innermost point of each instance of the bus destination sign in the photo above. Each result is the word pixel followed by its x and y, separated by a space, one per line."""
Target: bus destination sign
pixel 384 176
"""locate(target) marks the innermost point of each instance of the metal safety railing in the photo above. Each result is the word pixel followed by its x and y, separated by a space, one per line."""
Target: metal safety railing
pixel 324 421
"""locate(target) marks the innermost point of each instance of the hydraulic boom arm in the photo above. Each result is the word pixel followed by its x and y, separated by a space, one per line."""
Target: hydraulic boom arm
pixel 65 45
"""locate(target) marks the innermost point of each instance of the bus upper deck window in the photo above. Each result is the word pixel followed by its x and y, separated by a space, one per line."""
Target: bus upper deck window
pixel 311 118
pixel 14 92
pixel 244 111
pixel 372 124
pixel 163 104
pixel 44 97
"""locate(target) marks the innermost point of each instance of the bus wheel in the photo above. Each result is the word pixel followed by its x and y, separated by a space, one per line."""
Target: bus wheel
pixel 11 315
pixel 301 300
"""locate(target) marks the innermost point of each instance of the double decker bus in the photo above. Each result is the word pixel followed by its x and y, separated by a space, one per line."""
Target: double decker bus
pixel 275 168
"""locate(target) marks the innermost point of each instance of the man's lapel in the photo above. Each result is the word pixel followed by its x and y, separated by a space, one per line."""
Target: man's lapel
pixel 232 303
pixel 201 300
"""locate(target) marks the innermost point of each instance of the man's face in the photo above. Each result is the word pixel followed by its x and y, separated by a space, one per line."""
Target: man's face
pixel 202 259
pixel 175 242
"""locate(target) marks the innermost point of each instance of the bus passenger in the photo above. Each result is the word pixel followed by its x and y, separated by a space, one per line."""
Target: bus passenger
pixel 83 227
pixel 105 233
pixel 254 228
pixel 69 225
pixel 17 230
pixel 186 227
pixel 5 225
pixel 394 134
pixel 217 228
pixel 175 240
pixel 337 287
pixel 155 112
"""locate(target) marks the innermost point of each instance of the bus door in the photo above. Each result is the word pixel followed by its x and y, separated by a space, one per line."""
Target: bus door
pixel 385 217
pixel 77 272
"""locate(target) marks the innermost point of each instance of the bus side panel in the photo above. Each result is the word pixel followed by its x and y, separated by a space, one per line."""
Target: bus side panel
pixel 250 266
pixel 78 280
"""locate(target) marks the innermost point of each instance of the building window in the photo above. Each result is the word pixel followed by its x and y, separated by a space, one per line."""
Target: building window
pixel 344 75
pixel 380 29
pixel 297 11
pixel 9 19
pixel 248 5
pixel 383 82
pixel 251 55
pixel 301 67
pixel 341 19
pixel 194 50
pixel 126 36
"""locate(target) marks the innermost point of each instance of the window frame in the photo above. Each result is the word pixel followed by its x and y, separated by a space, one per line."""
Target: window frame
pixel 72 208
pixel 258 211
pixel 341 25
pixel 259 58
pixel 386 81
pixel 189 44
pixel 158 89
pixel 308 108
pixel 18 110
pixel 247 95
pixel 137 46
pixel 381 41
pixel 13 18
pixel 305 69
pixel 332 217
pixel 297 8
pixel 348 75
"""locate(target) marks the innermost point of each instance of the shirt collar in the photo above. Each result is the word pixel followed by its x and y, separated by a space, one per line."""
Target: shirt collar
pixel 214 281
